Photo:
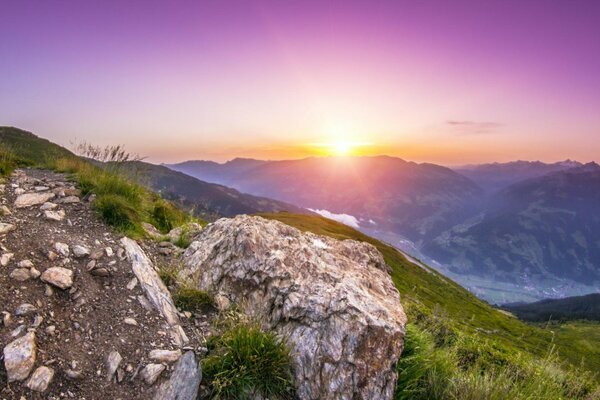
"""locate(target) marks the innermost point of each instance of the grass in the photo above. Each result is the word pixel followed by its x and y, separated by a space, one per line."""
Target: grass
pixel 246 362
pixel 459 347
pixel 191 299
pixel 168 274
pixel 120 201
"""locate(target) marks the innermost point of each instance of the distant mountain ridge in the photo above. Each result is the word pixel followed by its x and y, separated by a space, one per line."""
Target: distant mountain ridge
pixel 521 229
pixel 567 309
pixel 496 176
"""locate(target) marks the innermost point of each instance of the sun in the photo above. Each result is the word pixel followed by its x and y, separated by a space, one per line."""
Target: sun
pixel 341 148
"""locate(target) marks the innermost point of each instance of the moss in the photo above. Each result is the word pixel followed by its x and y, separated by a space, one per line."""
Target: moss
pixel 191 299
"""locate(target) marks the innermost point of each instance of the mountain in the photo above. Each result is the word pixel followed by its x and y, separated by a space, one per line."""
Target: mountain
pixel 495 176
pixel 412 199
pixel 207 199
pixel 454 343
pixel 541 233
pixel 211 171
pixel 567 309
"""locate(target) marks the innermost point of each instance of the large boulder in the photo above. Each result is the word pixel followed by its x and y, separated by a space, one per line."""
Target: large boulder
pixel 333 301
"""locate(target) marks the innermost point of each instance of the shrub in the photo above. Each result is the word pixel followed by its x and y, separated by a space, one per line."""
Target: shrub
pixel 7 160
pixel 247 362
pixel 191 299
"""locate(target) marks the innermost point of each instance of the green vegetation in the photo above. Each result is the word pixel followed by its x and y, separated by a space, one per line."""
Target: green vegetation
pixel 191 299
pixel 459 347
pixel 120 201
pixel 245 362
pixel 168 274
pixel 567 309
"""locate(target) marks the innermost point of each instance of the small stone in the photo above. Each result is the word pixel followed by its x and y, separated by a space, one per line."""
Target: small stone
pixel 25 264
pixel 18 331
pixel 91 265
pixel 40 379
pixel 19 191
pixel 73 374
pixel 20 274
pixel 69 200
pixel 109 251
pixel 48 291
pixel 37 321
pixel 32 199
pixel 50 329
pixel 55 215
pixel 151 373
pixel 6 318
pixel 41 188
pixel 52 256
pixel 112 363
pixel 130 321
pixel 25 309
pixel 80 251
pixel 4 210
pixel 48 206
pixel 59 277
pixel 19 357
pixel 97 254
pixel 165 356
pixel 132 283
pixel 34 273
pixel 5 228
pixel 100 272
pixel 6 258
pixel 62 249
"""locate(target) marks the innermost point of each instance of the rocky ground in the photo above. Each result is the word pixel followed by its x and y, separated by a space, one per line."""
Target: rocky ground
pixel 76 320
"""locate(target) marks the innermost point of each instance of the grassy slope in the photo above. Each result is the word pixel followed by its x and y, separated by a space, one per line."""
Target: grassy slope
pixel 428 292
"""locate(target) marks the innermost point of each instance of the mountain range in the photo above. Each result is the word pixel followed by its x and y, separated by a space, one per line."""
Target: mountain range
pixel 508 231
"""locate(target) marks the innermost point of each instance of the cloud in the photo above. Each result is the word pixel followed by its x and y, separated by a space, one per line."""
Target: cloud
pixel 345 219
pixel 464 127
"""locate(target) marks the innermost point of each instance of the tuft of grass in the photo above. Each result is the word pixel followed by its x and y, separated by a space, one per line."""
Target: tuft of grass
pixel 116 211
pixel 8 160
pixel 166 216
pixel 246 362
pixel 191 299
pixel 168 274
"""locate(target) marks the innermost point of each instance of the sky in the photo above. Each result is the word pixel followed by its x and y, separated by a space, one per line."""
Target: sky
pixel 450 82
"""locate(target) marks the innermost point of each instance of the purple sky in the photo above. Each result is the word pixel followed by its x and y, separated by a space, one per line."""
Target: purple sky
pixel 440 81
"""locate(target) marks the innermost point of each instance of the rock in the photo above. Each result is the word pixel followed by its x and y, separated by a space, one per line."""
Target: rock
pixel 80 251
pixel 4 210
pixel 152 285
pixel 52 256
pixel 151 231
pixel 5 259
pixel 48 206
pixel 19 191
pixel 73 373
pixel 189 230
pixel 62 249
pixel 25 264
pixel 25 309
pixel 165 356
pixel 59 277
pixel 332 300
pixel 41 188
pixel 40 379
pixel 130 321
pixel 50 329
pixel 109 251
pixel 132 283
pixel 55 215
pixel 19 357
pixel 34 273
pixel 151 373
pixel 100 272
pixel 20 274
pixel 32 199
pixel 68 200
pixel 184 381
pixel 5 228
pixel 112 363
pixel 6 318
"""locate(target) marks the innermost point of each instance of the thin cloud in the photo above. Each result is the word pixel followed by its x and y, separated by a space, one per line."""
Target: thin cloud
pixel 465 127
